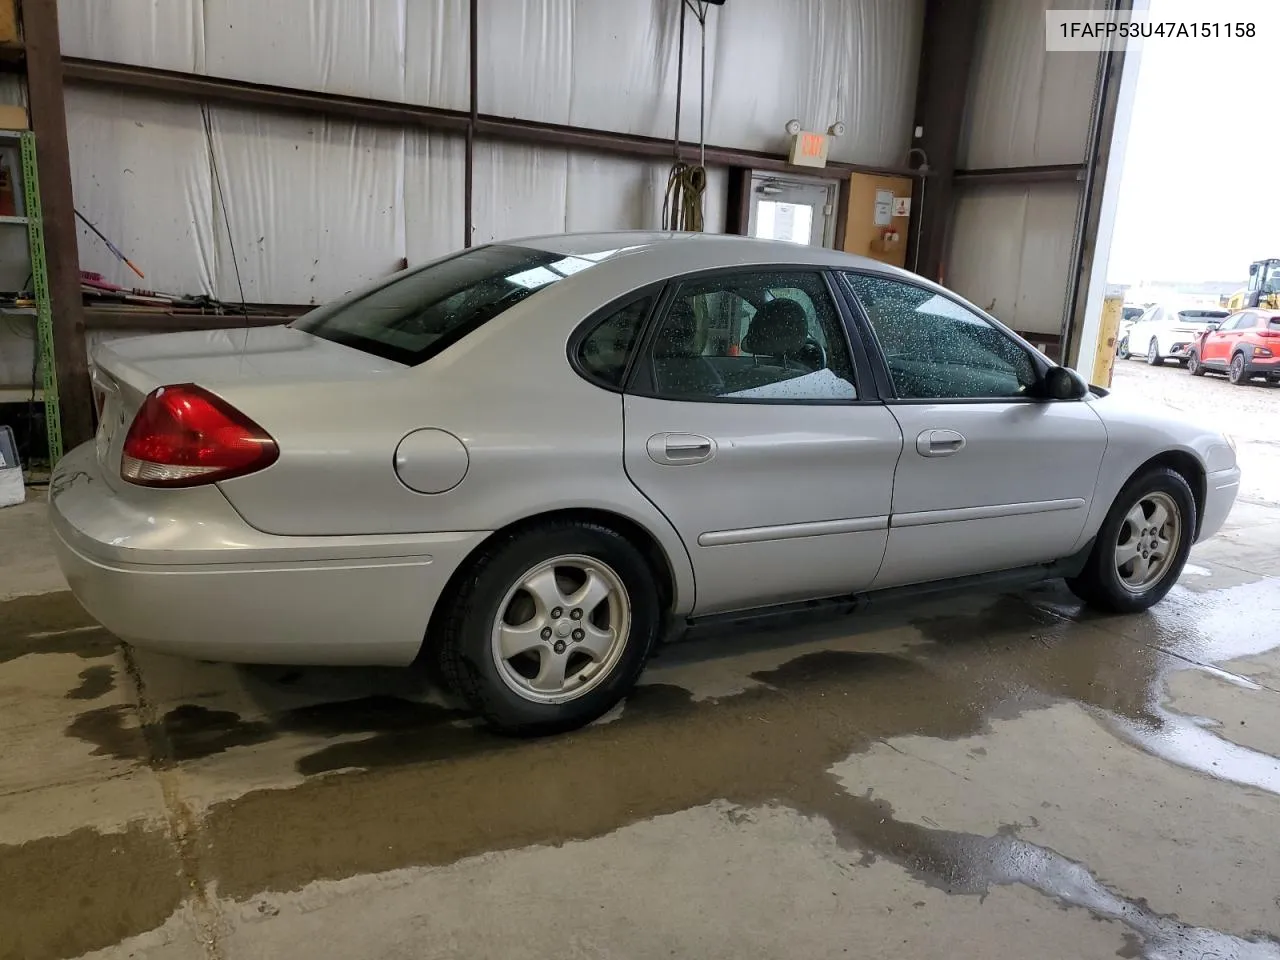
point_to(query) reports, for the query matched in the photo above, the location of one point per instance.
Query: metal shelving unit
(40, 285)
(28, 217)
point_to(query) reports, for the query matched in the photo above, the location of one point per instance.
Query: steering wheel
(812, 355)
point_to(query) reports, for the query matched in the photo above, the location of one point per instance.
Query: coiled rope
(682, 207)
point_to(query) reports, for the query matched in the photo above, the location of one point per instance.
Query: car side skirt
(827, 608)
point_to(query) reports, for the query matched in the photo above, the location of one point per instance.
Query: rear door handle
(939, 443)
(675, 449)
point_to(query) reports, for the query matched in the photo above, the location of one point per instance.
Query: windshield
(415, 315)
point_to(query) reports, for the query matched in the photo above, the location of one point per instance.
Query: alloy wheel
(1148, 542)
(561, 629)
(1153, 352)
(1237, 368)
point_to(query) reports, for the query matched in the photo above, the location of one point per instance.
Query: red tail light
(1269, 333)
(184, 436)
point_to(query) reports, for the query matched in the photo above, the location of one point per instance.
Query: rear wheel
(1153, 353)
(1122, 348)
(1236, 372)
(551, 628)
(1142, 545)
(1194, 366)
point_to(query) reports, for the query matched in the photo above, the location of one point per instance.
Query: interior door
(794, 209)
(744, 424)
(989, 479)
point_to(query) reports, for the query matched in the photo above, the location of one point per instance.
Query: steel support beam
(49, 124)
(154, 321)
(469, 174)
(1089, 224)
(1018, 176)
(487, 127)
(942, 88)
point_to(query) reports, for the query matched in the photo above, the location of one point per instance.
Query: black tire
(464, 637)
(1193, 364)
(1099, 583)
(1122, 349)
(1153, 353)
(1236, 373)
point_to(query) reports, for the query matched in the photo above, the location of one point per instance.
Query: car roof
(702, 247)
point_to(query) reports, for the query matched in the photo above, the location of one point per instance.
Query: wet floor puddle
(413, 784)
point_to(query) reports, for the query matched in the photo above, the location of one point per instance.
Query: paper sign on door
(884, 208)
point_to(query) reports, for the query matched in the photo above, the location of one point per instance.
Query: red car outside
(1244, 346)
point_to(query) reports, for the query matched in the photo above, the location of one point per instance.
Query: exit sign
(809, 149)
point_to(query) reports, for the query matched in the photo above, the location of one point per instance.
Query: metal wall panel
(168, 35)
(818, 61)
(414, 50)
(607, 65)
(436, 43)
(140, 171)
(316, 207)
(527, 190)
(353, 47)
(614, 66)
(1026, 106)
(434, 171)
(1009, 252)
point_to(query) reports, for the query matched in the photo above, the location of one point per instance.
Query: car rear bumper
(1263, 367)
(180, 571)
(1221, 488)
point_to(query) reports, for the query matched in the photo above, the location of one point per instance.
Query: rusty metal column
(49, 124)
(473, 82)
(946, 60)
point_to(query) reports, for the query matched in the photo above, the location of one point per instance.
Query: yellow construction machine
(1263, 290)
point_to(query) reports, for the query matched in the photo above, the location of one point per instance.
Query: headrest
(779, 329)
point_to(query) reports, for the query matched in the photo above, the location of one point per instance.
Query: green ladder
(40, 283)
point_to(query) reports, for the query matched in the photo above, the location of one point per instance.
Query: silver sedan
(532, 461)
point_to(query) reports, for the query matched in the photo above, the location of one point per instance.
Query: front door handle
(675, 449)
(939, 443)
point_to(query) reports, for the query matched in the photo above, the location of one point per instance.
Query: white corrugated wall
(1012, 245)
(315, 208)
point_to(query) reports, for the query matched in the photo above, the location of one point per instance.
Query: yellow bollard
(1109, 325)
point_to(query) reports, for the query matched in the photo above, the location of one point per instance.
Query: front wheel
(550, 628)
(1193, 364)
(1236, 372)
(1142, 545)
(1122, 348)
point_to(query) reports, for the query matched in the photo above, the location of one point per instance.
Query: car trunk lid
(124, 371)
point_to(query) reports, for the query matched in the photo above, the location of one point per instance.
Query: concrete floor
(998, 776)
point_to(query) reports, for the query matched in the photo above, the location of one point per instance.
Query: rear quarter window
(605, 353)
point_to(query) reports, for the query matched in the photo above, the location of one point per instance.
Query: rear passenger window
(753, 336)
(603, 354)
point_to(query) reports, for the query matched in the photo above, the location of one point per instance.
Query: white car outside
(1168, 331)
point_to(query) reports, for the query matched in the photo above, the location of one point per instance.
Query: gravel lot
(1249, 414)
